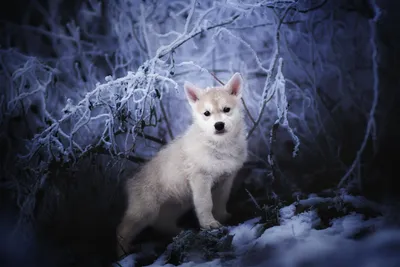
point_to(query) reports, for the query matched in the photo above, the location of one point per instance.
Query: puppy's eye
(226, 109)
(207, 113)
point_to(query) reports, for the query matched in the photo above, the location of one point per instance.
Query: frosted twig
(253, 199)
(143, 24)
(189, 18)
(270, 80)
(162, 51)
(171, 135)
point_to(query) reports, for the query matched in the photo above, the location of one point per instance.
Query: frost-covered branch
(112, 115)
(196, 31)
(275, 82)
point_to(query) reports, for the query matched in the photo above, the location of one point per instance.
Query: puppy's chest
(224, 161)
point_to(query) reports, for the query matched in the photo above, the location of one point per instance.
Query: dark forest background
(60, 205)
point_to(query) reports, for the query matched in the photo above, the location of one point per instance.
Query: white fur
(196, 169)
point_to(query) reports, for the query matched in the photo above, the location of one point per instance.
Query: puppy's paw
(212, 224)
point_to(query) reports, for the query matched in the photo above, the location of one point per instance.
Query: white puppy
(196, 169)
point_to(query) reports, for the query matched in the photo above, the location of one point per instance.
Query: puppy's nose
(219, 126)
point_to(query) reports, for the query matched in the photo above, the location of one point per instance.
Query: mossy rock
(333, 208)
(198, 246)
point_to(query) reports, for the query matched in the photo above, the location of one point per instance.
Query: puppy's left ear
(234, 85)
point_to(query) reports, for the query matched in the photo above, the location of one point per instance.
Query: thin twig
(371, 119)
(216, 78)
(154, 139)
(103, 151)
(247, 111)
(301, 10)
(257, 122)
(181, 42)
(253, 199)
(171, 135)
(273, 64)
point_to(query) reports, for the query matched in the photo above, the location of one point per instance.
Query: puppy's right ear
(192, 92)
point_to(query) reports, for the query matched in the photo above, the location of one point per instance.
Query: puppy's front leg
(202, 200)
(220, 197)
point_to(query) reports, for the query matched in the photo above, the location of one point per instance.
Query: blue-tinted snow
(295, 242)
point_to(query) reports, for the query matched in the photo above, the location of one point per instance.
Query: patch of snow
(244, 234)
(361, 202)
(314, 200)
(286, 213)
(352, 224)
(297, 226)
(128, 261)
(296, 242)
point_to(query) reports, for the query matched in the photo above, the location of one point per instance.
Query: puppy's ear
(192, 92)
(234, 85)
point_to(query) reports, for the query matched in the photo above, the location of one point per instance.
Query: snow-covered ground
(300, 241)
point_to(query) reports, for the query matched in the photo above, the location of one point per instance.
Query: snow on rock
(313, 200)
(128, 261)
(212, 263)
(352, 224)
(295, 242)
(297, 226)
(244, 233)
(361, 202)
(287, 212)
(298, 241)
